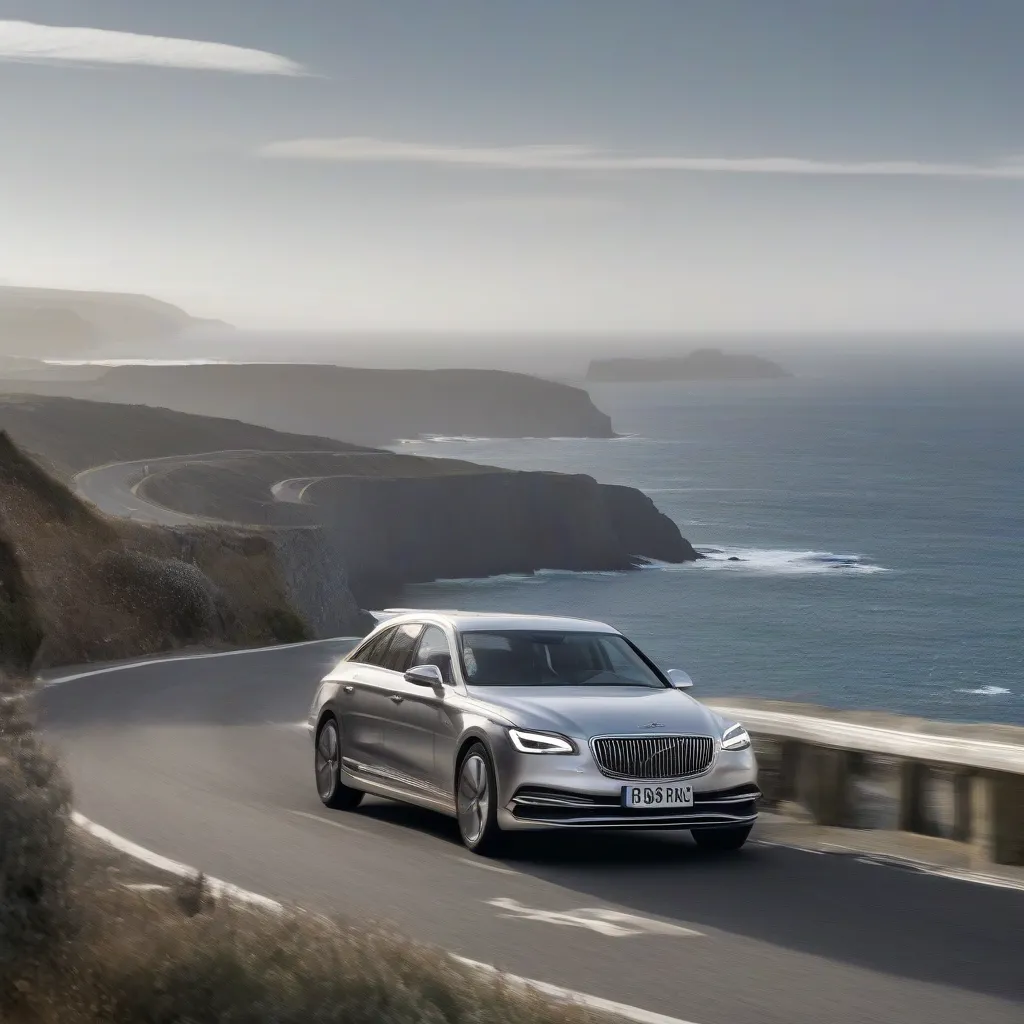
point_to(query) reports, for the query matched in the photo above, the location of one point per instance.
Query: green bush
(35, 850)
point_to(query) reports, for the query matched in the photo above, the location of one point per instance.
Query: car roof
(469, 620)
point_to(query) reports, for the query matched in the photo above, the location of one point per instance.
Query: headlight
(735, 738)
(541, 742)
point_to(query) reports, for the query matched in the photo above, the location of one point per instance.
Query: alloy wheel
(474, 799)
(327, 761)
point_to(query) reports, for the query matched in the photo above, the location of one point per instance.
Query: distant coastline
(54, 323)
(701, 364)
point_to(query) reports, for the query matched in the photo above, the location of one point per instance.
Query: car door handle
(397, 698)
(349, 688)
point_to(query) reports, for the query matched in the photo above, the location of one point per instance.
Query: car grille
(653, 757)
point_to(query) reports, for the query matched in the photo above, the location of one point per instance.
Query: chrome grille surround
(653, 758)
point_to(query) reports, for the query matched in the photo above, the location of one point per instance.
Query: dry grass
(78, 947)
(143, 958)
(36, 913)
(77, 587)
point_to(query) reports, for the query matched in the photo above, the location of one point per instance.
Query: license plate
(657, 796)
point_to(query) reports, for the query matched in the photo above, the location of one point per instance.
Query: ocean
(878, 519)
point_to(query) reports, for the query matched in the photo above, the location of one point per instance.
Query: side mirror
(679, 679)
(425, 675)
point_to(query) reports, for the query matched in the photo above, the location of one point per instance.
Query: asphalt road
(113, 488)
(204, 761)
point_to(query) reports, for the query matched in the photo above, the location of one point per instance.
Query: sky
(522, 165)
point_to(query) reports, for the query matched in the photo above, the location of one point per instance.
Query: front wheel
(728, 837)
(327, 764)
(476, 802)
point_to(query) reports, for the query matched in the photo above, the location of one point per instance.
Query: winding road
(204, 760)
(114, 488)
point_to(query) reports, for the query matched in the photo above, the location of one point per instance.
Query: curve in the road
(203, 761)
(114, 488)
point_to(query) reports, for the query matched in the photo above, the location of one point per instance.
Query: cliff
(393, 520)
(371, 522)
(702, 364)
(362, 406)
(51, 322)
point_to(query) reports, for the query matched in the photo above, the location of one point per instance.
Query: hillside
(702, 364)
(76, 587)
(373, 521)
(72, 435)
(357, 405)
(51, 322)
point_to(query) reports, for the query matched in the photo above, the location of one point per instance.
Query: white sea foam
(773, 561)
(470, 439)
(987, 691)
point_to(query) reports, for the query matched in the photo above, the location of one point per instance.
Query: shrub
(177, 595)
(20, 632)
(238, 967)
(35, 850)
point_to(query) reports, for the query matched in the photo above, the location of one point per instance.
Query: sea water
(878, 523)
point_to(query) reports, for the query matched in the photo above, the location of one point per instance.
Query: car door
(408, 734)
(363, 704)
(435, 648)
(422, 729)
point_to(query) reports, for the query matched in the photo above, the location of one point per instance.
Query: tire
(476, 802)
(327, 770)
(722, 839)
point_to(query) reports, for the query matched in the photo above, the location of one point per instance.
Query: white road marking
(615, 924)
(566, 995)
(191, 657)
(172, 867)
(146, 887)
(217, 885)
(481, 864)
(334, 824)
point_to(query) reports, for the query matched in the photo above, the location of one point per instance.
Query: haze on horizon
(581, 166)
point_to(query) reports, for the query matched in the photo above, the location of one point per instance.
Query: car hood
(586, 711)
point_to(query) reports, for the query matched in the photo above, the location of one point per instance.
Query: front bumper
(538, 791)
(539, 807)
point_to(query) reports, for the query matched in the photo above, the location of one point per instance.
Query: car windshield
(543, 658)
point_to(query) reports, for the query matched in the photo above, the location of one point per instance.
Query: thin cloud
(574, 158)
(27, 42)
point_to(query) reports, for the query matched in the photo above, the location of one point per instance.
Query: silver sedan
(512, 722)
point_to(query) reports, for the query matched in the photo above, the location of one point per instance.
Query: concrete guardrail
(872, 770)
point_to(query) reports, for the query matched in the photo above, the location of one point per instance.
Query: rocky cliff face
(391, 520)
(359, 405)
(389, 532)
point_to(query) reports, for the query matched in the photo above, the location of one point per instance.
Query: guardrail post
(997, 817)
(823, 784)
(911, 813)
(962, 786)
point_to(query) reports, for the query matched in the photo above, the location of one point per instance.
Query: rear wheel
(327, 764)
(476, 802)
(728, 837)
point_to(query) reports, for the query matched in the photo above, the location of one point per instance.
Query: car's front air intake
(653, 757)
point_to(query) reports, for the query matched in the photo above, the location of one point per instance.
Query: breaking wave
(986, 691)
(773, 561)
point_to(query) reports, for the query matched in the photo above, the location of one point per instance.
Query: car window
(399, 654)
(550, 658)
(434, 649)
(374, 650)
